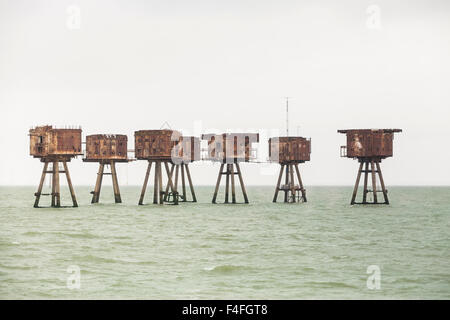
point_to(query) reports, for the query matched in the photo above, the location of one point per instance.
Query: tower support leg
(69, 183)
(241, 181)
(355, 189)
(299, 177)
(53, 203)
(144, 187)
(290, 188)
(372, 168)
(175, 183)
(292, 182)
(230, 175)
(160, 184)
(160, 193)
(55, 182)
(383, 187)
(41, 184)
(286, 183)
(227, 182)
(58, 187)
(155, 184)
(233, 190)
(56, 198)
(277, 189)
(191, 186)
(366, 180)
(115, 182)
(98, 184)
(183, 182)
(169, 180)
(219, 177)
(374, 182)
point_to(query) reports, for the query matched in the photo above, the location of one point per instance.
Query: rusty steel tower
(186, 151)
(370, 147)
(230, 149)
(156, 146)
(54, 146)
(289, 152)
(106, 149)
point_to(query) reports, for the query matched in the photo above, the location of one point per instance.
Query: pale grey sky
(134, 64)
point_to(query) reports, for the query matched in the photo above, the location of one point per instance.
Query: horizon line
(248, 185)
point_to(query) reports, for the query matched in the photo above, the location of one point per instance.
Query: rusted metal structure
(55, 146)
(106, 149)
(185, 152)
(289, 152)
(370, 147)
(156, 146)
(229, 149)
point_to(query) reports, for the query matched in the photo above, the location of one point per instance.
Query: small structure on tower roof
(370, 147)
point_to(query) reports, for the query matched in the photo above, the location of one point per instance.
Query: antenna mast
(287, 116)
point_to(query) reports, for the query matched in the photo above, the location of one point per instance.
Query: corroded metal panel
(187, 150)
(365, 143)
(155, 144)
(106, 147)
(231, 146)
(289, 149)
(46, 141)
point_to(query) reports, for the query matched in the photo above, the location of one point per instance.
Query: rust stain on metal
(187, 150)
(101, 147)
(231, 146)
(155, 144)
(289, 149)
(46, 141)
(363, 143)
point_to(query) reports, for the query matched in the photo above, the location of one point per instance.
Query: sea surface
(321, 249)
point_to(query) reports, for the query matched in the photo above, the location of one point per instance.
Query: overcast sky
(209, 65)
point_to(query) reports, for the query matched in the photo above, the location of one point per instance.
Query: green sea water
(315, 250)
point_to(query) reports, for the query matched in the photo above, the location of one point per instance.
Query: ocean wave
(85, 235)
(94, 259)
(32, 233)
(81, 235)
(228, 252)
(226, 268)
(16, 267)
(331, 284)
(98, 259)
